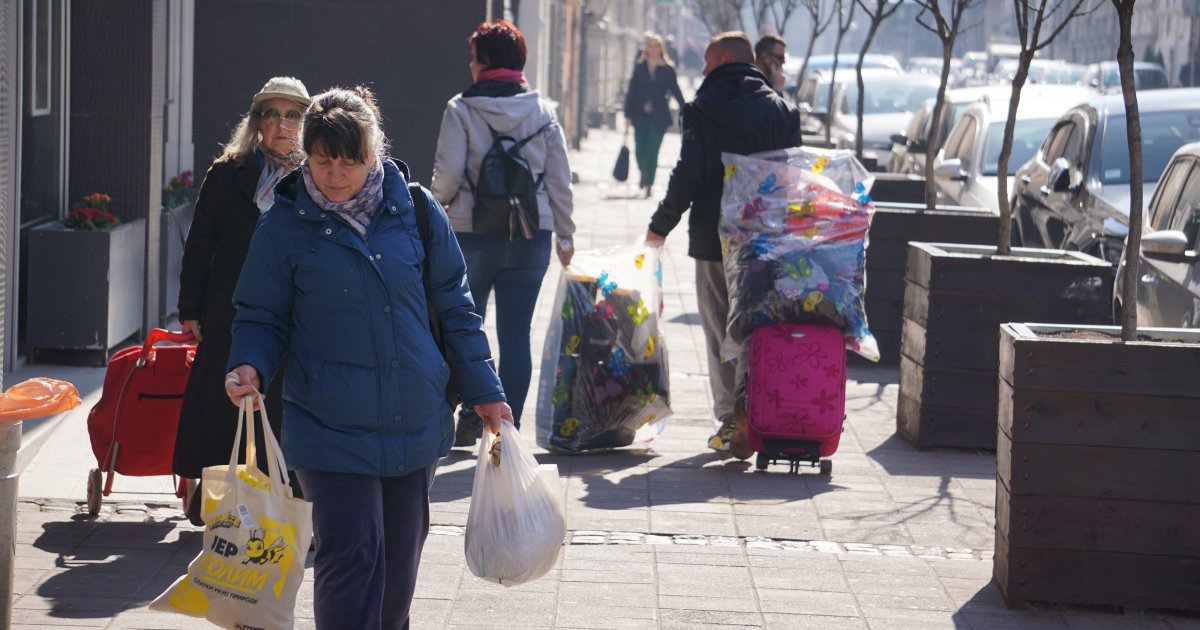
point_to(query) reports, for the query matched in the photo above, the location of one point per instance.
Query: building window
(40, 57)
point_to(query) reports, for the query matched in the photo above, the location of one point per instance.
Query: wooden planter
(1098, 467)
(955, 298)
(893, 226)
(85, 288)
(898, 188)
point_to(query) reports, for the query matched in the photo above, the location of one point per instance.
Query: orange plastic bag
(37, 398)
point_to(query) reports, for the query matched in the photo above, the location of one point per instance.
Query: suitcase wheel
(826, 467)
(762, 461)
(95, 491)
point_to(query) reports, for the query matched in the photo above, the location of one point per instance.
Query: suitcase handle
(159, 335)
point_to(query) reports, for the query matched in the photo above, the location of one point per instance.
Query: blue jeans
(369, 532)
(514, 269)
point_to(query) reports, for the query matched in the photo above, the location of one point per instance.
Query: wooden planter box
(85, 288)
(955, 298)
(893, 226)
(1098, 467)
(898, 188)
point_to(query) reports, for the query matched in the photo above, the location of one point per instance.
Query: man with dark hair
(735, 111)
(769, 54)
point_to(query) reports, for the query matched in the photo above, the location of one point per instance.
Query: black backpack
(421, 205)
(506, 190)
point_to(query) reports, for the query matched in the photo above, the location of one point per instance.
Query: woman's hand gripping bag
(517, 523)
(256, 538)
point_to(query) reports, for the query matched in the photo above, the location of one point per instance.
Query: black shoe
(195, 496)
(470, 429)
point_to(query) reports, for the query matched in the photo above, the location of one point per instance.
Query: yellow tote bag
(256, 537)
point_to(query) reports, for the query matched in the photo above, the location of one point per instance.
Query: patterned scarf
(359, 209)
(273, 170)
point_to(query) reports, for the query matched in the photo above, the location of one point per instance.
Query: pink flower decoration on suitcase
(825, 401)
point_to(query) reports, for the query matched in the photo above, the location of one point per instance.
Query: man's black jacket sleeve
(685, 177)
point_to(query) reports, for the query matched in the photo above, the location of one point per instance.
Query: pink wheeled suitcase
(795, 394)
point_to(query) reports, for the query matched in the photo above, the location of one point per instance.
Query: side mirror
(950, 169)
(899, 138)
(1164, 243)
(1060, 176)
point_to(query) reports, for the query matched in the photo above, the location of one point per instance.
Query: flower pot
(955, 298)
(85, 289)
(1097, 467)
(892, 227)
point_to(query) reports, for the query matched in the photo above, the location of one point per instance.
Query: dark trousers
(514, 270)
(647, 140)
(369, 533)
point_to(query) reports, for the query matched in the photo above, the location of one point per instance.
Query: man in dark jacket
(735, 111)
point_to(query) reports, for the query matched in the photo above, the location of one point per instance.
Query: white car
(966, 169)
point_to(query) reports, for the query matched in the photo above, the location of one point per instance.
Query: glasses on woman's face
(290, 118)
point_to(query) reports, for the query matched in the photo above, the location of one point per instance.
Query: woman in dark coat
(647, 105)
(237, 189)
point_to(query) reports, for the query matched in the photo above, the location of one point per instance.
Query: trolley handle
(159, 335)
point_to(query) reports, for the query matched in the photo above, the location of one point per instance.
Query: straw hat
(290, 88)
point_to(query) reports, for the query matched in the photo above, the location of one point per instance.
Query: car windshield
(889, 98)
(1162, 134)
(1027, 137)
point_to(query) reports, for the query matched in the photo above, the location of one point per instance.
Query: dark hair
(499, 44)
(345, 122)
(767, 41)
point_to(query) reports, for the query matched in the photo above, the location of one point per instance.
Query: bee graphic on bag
(264, 547)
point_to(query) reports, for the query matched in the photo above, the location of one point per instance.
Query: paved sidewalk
(667, 536)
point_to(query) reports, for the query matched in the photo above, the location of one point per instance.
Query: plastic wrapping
(604, 377)
(37, 398)
(794, 233)
(517, 522)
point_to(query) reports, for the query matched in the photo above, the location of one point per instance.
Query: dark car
(1168, 275)
(1074, 193)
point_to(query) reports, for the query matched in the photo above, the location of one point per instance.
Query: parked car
(846, 61)
(1074, 193)
(1168, 293)
(910, 147)
(888, 104)
(966, 169)
(1104, 77)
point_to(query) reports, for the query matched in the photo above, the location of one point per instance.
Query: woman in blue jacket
(334, 278)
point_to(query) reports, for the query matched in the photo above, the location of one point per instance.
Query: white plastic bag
(256, 538)
(517, 523)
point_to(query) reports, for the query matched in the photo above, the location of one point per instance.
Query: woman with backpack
(502, 172)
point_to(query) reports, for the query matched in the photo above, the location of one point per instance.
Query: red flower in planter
(92, 214)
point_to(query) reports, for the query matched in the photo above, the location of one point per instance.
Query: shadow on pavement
(112, 566)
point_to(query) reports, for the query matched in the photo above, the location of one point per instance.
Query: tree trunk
(933, 141)
(1004, 240)
(804, 66)
(832, 84)
(858, 131)
(1133, 130)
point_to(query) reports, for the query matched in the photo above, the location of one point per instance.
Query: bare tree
(759, 9)
(1133, 131)
(817, 27)
(781, 12)
(845, 17)
(947, 25)
(719, 15)
(877, 11)
(1031, 16)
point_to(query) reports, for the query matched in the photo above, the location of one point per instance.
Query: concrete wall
(414, 56)
(118, 62)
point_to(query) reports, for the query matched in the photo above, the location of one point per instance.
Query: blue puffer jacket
(364, 383)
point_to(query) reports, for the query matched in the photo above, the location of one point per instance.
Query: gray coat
(465, 138)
